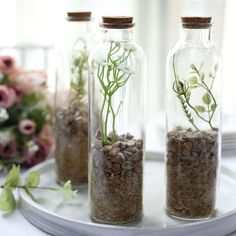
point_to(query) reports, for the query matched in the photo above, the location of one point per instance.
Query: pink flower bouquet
(25, 116)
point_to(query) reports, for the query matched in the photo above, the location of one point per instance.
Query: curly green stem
(182, 89)
(110, 81)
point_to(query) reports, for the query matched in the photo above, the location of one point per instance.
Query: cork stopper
(117, 22)
(196, 22)
(79, 16)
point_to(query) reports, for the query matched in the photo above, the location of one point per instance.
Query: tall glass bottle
(193, 139)
(117, 136)
(72, 100)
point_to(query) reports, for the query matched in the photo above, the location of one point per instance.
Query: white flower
(67, 191)
(5, 136)
(32, 147)
(125, 69)
(128, 48)
(3, 115)
(100, 61)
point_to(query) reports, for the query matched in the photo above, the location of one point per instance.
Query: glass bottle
(193, 139)
(117, 135)
(72, 100)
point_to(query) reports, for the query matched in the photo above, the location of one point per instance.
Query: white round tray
(59, 218)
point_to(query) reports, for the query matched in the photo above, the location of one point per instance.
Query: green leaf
(31, 100)
(7, 201)
(180, 98)
(29, 193)
(192, 80)
(181, 84)
(67, 191)
(32, 180)
(202, 76)
(5, 80)
(38, 115)
(200, 109)
(13, 177)
(206, 98)
(193, 67)
(213, 106)
(15, 113)
(188, 94)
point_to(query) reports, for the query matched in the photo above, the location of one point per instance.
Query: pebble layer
(192, 167)
(72, 146)
(117, 180)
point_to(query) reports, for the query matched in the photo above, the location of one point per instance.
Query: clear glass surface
(193, 124)
(72, 104)
(117, 135)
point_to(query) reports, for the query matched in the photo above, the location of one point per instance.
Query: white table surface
(14, 224)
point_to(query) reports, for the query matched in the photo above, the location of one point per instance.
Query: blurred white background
(38, 24)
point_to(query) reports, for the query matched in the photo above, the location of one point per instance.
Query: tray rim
(35, 207)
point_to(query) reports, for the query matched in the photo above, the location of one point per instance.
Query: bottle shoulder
(181, 48)
(102, 48)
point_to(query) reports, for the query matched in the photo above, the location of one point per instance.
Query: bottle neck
(118, 34)
(195, 35)
(76, 28)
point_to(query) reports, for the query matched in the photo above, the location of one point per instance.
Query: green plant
(184, 88)
(79, 70)
(7, 200)
(112, 74)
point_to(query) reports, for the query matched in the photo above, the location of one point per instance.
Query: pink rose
(35, 153)
(27, 127)
(16, 72)
(7, 96)
(46, 135)
(18, 95)
(30, 82)
(7, 64)
(8, 149)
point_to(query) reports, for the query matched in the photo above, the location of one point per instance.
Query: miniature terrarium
(193, 142)
(72, 102)
(117, 85)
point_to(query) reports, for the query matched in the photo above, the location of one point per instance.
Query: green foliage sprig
(112, 76)
(80, 71)
(183, 90)
(7, 200)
